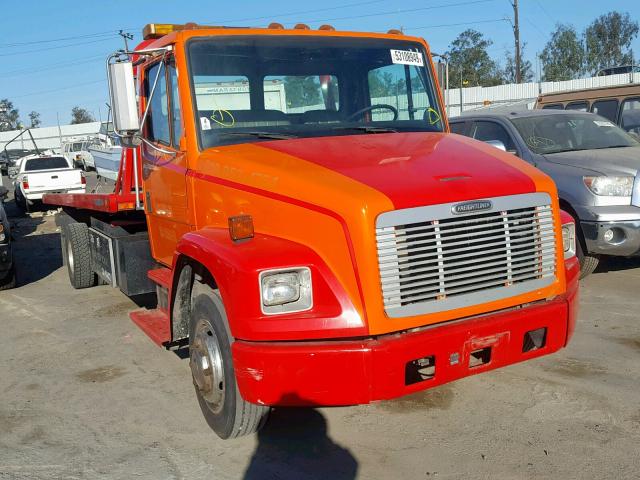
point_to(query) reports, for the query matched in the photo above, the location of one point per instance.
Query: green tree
(80, 115)
(470, 61)
(563, 56)
(608, 40)
(9, 116)
(302, 91)
(34, 118)
(381, 84)
(526, 69)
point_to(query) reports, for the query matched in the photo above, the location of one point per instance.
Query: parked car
(9, 157)
(77, 152)
(7, 268)
(45, 173)
(617, 70)
(620, 105)
(595, 164)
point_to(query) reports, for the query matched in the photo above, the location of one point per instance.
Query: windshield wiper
(269, 135)
(366, 129)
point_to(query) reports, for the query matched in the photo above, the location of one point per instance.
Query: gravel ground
(86, 395)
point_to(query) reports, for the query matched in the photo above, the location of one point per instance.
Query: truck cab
(319, 236)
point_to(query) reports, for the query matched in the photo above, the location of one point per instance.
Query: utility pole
(516, 35)
(125, 36)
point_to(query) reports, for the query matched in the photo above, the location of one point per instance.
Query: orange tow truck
(313, 232)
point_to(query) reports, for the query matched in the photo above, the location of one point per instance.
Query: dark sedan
(7, 268)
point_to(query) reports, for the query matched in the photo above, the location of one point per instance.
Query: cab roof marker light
(394, 31)
(301, 26)
(159, 30)
(328, 28)
(276, 26)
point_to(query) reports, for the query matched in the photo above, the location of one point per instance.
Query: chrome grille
(433, 260)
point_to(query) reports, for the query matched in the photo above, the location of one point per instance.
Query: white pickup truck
(45, 173)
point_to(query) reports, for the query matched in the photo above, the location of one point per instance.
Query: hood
(606, 161)
(414, 169)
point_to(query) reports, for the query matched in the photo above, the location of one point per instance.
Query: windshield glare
(309, 86)
(545, 134)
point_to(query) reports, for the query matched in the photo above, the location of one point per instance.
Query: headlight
(569, 240)
(286, 291)
(610, 186)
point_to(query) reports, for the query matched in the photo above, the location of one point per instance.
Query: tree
(34, 118)
(469, 60)
(9, 116)
(302, 91)
(526, 69)
(80, 115)
(563, 56)
(608, 40)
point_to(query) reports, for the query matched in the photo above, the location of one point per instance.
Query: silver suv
(594, 163)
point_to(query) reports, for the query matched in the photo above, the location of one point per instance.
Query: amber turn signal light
(241, 227)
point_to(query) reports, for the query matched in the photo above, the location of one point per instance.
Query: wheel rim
(207, 367)
(70, 259)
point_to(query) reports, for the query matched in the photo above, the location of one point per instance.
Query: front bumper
(37, 196)
(365, 370)
(625, 242)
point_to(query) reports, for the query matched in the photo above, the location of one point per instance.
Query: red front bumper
(362, 371)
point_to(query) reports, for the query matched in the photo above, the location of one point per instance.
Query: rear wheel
(77, 255)
(226, 412)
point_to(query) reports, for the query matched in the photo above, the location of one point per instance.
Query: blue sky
(52, 53)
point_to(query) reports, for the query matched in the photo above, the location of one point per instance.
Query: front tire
(77, 255)
(588, 263)
(214, 379)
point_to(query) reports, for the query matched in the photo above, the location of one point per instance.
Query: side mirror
(498, 144)
(124, 105)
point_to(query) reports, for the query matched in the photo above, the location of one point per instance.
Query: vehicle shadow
(36, 256)
(294, 444)
(617, 264)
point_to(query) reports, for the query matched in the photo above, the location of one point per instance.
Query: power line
(456, 24)
(407, 10)
(546, 12)
(68, 87)
(54, 48)
(79, 61)
(302, 12)
(53, 40)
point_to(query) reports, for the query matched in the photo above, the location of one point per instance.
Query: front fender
(235, 267)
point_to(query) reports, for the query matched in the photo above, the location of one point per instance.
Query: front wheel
(588, 262)
(10, 281)
(224, 409)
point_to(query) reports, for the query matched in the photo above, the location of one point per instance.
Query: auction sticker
(601, 123)
(407, 57)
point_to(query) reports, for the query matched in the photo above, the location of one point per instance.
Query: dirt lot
(86, 395)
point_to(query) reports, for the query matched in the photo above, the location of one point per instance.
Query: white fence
(48, 137)
(525, 93)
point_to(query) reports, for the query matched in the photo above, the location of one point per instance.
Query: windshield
(546, 134)
(45, 163)
(264, 87)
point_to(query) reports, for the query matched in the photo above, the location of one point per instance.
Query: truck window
(579, 106)
(45, 163)
(485, 131)
(157, 128)
(606, 108)
(176, 117)
(301, 93)
(400, 86)
(630, 119)
(249, 87)
(553, 106)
